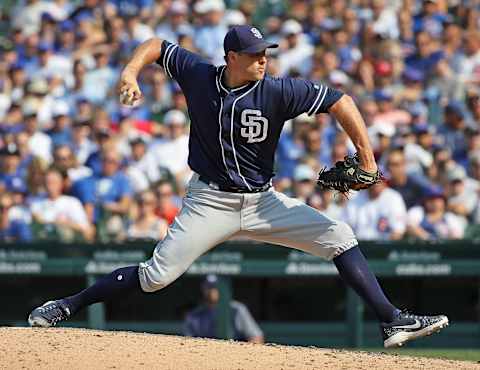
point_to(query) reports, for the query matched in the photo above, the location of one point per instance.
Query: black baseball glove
(346, 176)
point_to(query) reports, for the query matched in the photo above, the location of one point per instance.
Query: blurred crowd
(78, 166)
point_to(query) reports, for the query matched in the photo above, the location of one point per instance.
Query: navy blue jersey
(234, 132)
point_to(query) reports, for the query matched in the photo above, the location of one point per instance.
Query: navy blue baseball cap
(245, 39)
(210, 282)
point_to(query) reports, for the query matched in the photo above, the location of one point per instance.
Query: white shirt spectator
(28, 17)
(40, 145)
(19, 213)
(98, 83)
(376, 219)
(172, 154)
(58, 65)
(451, 227)
(64, 207)
(83, 150)
(417, 158)
(142, 32)
(386, 24)
(299, 56)
(470, 71)
(144, 172)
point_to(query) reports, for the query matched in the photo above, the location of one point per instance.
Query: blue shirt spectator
(209, 37)
(453, 132)
(14, 224)
(109, 191)
(202, 321)
(100, 80)
(127, 8)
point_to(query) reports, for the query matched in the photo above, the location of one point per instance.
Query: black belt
(234, 189)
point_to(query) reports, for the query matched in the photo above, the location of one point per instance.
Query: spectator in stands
(126, 8)
(381, 138)
(473, 104)
(138, 30)
(430, 19)
(172, 154)
(167, 205)
(339, 150)
(388, 113)
(409, 187)
(18, 79)
(404, 62)
(160, 97)
(59, 214)
(10, 174)
(65, 45)
(461, 193)
(65, 162)
(60, 133)
(209, 35)
(39, 143)
(81, 144)
(147, 225)
(143, 168)
(105, 143)
(377, 214)
(384, 20)
(12, 227)
(202, 321)
(297, 50)
(418, 153)
(303, 182)
(291, 146)
(314, 147)
(28, 16)
(453, 131)
(99, 81)
(470, 71)
(35, 177)
(106, 197)
(176, 23)
(38, 89)
(430, 221)
(327, 202)
(474, 166)
(429, 57)
(21, 141)
(52, 64)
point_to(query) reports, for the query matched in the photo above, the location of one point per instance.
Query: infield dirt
(60, 348)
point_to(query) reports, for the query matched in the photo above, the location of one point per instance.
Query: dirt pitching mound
(26, 348)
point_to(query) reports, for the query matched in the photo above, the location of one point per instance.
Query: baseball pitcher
(237, 113)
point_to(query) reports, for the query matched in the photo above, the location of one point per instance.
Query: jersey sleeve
(303, 96)
(178, 62)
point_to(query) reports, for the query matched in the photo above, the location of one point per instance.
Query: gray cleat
(407, 326)
(49, 314)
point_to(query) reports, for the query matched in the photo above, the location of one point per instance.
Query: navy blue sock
(354, 270)
(118, 283)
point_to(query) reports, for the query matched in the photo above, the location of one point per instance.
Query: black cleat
(407, 326)
(49, 314)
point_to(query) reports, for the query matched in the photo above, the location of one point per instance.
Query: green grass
(443, 353)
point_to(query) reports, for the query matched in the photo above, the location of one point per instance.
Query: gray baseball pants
(209, 217)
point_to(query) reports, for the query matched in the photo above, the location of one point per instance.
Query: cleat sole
(399, 339)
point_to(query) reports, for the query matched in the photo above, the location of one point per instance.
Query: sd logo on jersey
(256, 126)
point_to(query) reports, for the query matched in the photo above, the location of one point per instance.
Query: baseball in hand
(130, 99)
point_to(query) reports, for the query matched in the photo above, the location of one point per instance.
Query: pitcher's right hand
(129, 90)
